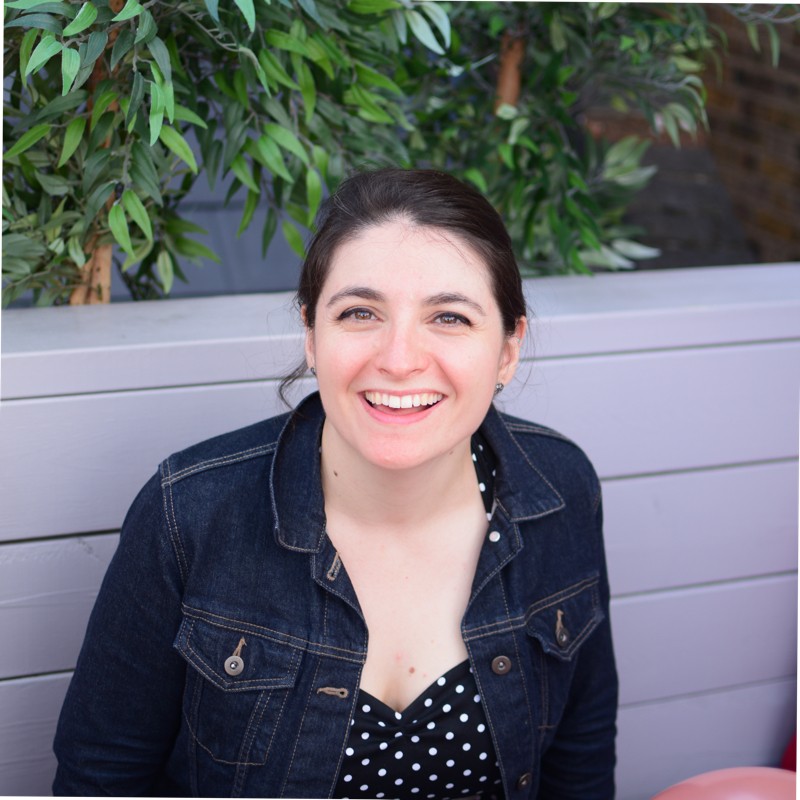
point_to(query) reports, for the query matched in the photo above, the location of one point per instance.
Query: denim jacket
(224, 653)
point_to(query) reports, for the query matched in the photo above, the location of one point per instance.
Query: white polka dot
(464, 717)
(482, 487)
(398, 734)
(441, 681)
(449, 786)
(398, 782)
(459, 689)
(415, 738)
(483, 778)
(481, 728)
(467, 773)
(449, 735)
(365, 708)
(450, 762)
(381, 723)
(474, 457)
(352, 722)
(398, 715)
(380, 794)
(365, 735)
(415, 790)
(365, 761)
(349, 751)
(494, 536)
(381, 772)
(482, 756)
(383, 745)
(465, 791)
(488, 516)
(416, 767)
(480, 447)
(363, 787)
(466, 746)
(398, 754)
(434, 778)
(430, 726)
(348, 778)
(446, 708)
(476, 698)
(432, 751)
(428, 703)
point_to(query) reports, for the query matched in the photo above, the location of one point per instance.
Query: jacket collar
(296, 483)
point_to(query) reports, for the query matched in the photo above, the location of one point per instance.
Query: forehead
(402, 252)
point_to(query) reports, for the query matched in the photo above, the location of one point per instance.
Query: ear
(309, 340)
(512, 348)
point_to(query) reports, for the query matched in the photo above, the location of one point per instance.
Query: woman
(394, 591)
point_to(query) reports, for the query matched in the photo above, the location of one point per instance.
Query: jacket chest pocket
(557, 626)
(236, 688)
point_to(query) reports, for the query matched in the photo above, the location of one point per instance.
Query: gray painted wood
(660, 744)
(681, 386)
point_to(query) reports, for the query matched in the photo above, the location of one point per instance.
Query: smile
(403, 400)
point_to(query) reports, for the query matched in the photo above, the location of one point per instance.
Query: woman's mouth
(402, 401)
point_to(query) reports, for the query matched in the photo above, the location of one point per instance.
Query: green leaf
(137, 212)
(130, 10)
(439, 18)
(183, 114)
(156, 112)
(160, 53)
(213, 9)
(76, 251)
(250, 205)
(270, 226)
(194, 250)
(293, 238)
(43, 52)
(557, 36)
(137, 95)
(272, 158)
(473, 175)
(165, 269)
(95, 45)
(287, 140)
(26, 48)
(371, 77)
(54, 185)
(147, 29)
(85, 17)
(70, 63)
(240, 170)
(100, 106)
(119, 228)
(44, 21)
(313, 195)
(27, 140)
(143, 172)
(72, 138)
(25, 5)
(274, 69)
(308, 90)
(122, 46)
(752, 35)
(246, 7)
(372, 6)
(420, 28)
(631, 249)
(175, 142)
(774, 44)
(283, 41)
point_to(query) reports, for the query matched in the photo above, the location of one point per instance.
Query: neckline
(419, 700)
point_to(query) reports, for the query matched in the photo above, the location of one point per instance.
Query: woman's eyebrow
(362, 292)
(445, 298)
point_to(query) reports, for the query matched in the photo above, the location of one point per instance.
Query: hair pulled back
(423, 197)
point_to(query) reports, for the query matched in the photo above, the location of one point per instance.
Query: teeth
(404, 400)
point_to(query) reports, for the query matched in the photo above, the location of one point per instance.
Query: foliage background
(112, 110)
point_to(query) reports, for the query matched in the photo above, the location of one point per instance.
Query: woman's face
(408, 344)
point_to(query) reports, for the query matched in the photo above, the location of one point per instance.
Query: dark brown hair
(423, 197)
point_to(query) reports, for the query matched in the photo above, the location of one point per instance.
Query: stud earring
(312, 371)
(498, 387)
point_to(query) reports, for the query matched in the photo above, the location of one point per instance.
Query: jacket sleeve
(579, 764)
(122, 710)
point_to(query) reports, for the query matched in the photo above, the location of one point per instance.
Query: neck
(394, 498)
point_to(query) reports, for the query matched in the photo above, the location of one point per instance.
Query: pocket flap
(263, 662)
(562, 621)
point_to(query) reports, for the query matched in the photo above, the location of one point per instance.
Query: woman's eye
(450, 319)
(358, 314)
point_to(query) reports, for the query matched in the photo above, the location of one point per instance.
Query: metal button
(562, 634)
(234, 665)
(494, 536)
(501, 665)
(524, 780)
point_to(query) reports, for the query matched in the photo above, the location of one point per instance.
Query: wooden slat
(47, 590)
(673, 410)
(633, 414)
(686, 528)
(660, 744)
(695, 640)
(29, 712)
(49, 352)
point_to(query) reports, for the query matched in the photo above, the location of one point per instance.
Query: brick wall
(754, 115)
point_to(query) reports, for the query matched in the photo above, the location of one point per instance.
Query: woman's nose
(401, 351)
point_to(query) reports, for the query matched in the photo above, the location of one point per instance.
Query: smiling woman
(393, 590)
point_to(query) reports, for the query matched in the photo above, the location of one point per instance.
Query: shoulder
(248, 445)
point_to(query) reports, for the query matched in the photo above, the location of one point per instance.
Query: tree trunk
(95, 285)
(509, 78)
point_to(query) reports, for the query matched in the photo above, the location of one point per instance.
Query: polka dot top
(439, 747)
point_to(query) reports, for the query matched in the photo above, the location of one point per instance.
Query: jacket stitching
(172, 526)
(221, 461)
